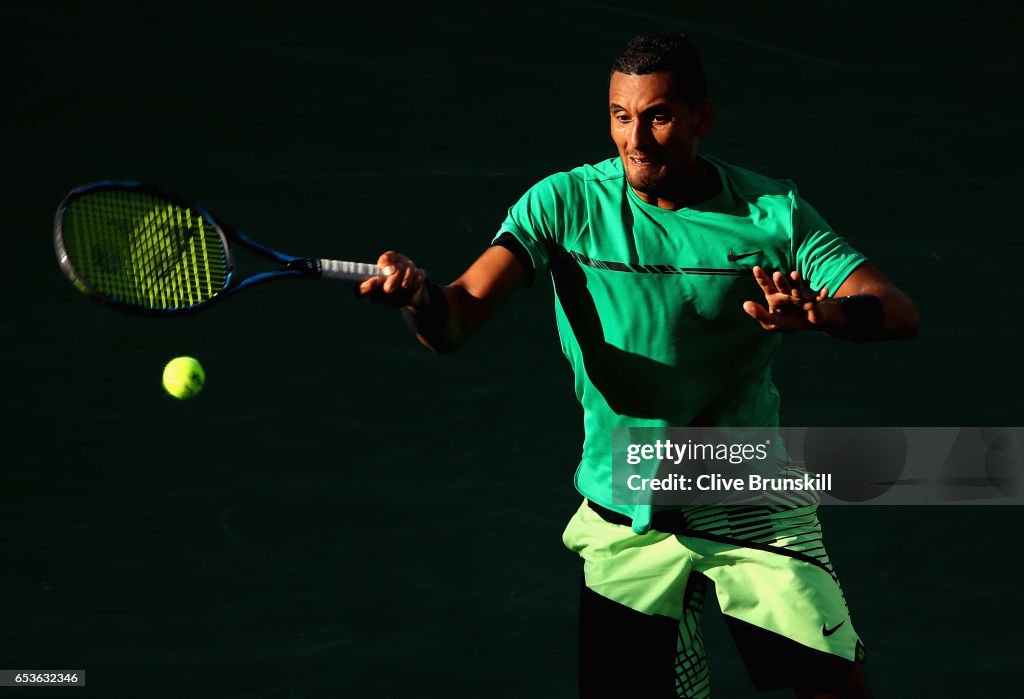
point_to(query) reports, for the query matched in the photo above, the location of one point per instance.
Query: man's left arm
(866, 306)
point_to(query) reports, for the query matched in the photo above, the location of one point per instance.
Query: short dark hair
(665, 53)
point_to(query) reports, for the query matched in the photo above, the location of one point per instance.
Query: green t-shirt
(648, 301)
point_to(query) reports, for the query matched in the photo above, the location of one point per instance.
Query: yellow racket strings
(142, 250)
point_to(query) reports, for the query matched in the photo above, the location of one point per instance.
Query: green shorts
(769, 569)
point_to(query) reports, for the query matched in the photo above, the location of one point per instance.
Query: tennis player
(674, 277)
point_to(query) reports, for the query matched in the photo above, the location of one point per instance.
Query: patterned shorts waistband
(667, 521)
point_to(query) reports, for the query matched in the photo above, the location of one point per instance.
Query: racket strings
(142, 250)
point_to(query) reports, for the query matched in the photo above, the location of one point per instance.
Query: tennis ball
(184, 377)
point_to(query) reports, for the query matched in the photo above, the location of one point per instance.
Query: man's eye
(622, 118)
(661, 118)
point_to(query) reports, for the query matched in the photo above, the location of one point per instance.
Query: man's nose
(639, 135)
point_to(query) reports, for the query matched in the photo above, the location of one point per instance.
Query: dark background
(342, 513)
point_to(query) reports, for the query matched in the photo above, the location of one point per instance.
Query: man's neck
(700, 183)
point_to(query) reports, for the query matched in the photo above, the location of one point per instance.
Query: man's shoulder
(609, 170)
(751, 185)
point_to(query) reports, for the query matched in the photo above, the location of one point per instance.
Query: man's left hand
(791, 305)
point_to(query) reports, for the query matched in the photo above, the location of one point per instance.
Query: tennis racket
(138, 248)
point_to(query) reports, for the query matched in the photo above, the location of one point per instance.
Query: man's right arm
(445, 317)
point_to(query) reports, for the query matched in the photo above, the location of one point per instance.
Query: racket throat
(310, 268)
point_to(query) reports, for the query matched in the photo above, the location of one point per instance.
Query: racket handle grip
(348, 271)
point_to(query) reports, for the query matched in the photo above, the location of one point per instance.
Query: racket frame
(292, 266)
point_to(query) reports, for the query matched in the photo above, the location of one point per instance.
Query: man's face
(655, 130)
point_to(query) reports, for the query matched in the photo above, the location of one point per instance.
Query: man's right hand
(444, 317)
(402, 282)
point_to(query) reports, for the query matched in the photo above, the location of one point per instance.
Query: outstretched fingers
(790, 304)
(757, 312)
(765, 281)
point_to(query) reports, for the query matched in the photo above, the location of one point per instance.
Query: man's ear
(703, 117)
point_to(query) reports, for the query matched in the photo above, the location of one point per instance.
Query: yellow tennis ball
(184, 377)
